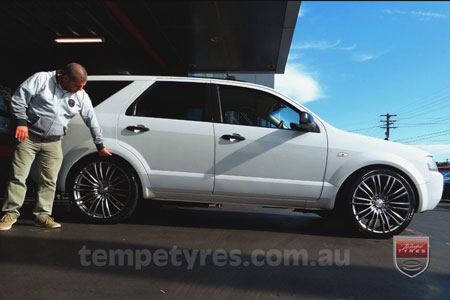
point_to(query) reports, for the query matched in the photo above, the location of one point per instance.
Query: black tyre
(103, 190)
(379, 203)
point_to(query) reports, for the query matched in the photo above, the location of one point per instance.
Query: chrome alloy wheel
(102, 189)
(382, 203)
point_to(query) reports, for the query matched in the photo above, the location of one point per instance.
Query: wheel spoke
(399, 196)
(371, 218)
(97, 174)
(117, 178)
(92, 197)
(117, 201)
(86, 195)
(100, 169)
(375, 221)
(383, 213)
(362, 199)
(89, 180)
(399, 203)
(107, 207)
(111, 174)
(85, 185)
(394, 216)
(399, 190)
(399, 208)
(387, 184)
(379, 184)
(90, 176)
(119, 190)
(374, 185)
(99, 200)
(84, 190)
(392, 185)
(112, 202)
(92, 205)
(107, 172)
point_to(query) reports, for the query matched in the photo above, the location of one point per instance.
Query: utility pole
(387, 124)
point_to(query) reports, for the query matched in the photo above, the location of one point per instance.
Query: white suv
(211, 141)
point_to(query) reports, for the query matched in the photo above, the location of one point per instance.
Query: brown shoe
(7, 222)
(47, 222)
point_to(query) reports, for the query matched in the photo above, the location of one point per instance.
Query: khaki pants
(49, 158)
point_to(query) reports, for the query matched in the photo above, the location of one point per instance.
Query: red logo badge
(411, 254)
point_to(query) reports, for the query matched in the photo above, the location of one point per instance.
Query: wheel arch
(351, 177)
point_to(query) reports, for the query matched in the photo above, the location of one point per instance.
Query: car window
(243, 106)
(101, 90)
(172, 100)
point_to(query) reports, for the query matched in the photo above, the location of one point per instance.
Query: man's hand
(104, 152)
(21, 133)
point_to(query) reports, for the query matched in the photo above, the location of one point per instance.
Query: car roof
(168, 78)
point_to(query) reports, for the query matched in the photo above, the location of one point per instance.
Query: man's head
(73, 78)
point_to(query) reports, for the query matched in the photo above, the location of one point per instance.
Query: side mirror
(306, 123)
(306, 118)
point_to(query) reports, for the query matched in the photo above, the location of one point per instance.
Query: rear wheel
(379, 203)
(103, 190)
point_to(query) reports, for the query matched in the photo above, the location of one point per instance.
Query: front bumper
(430, 192)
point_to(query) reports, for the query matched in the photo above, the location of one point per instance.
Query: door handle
(234, 136)
(138, 128)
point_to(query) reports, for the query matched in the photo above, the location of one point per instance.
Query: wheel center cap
(379, 203)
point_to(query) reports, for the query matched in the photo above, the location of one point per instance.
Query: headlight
(431, 164)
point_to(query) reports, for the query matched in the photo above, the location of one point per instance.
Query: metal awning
(148, 37)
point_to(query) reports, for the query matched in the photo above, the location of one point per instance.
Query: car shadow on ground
(270, 220)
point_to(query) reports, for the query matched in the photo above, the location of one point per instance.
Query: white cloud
(294, 56)
(297, 84)
(323, 45)
(301, 12)
(428, 14)
(420, 14)
(347, 48)
(364, 57)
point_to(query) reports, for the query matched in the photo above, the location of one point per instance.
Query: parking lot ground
(38, 263)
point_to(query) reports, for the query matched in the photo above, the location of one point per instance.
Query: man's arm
(19, 104)
(88, 115)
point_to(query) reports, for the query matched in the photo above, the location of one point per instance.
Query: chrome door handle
(234, 136)
(137, 128)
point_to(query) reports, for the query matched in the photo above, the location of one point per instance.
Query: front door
(258, 155)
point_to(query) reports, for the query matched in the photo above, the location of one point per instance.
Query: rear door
(170, 126)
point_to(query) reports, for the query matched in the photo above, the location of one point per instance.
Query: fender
(360, 160)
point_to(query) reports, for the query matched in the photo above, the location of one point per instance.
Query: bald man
(43, 105)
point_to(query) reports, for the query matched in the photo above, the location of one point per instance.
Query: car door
(170, 128)
(255, 158)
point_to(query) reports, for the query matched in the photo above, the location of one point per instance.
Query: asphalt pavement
(164, 255)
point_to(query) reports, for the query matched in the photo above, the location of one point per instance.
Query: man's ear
(65, 78)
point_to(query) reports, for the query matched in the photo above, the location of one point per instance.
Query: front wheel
(103, 190)
(380, 203)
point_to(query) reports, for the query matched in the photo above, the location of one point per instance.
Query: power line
(434, 134)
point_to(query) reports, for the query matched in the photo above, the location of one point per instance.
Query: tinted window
(172, 100)
(99, 91)
(249, 107)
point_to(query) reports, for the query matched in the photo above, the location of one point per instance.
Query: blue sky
(353, 61)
